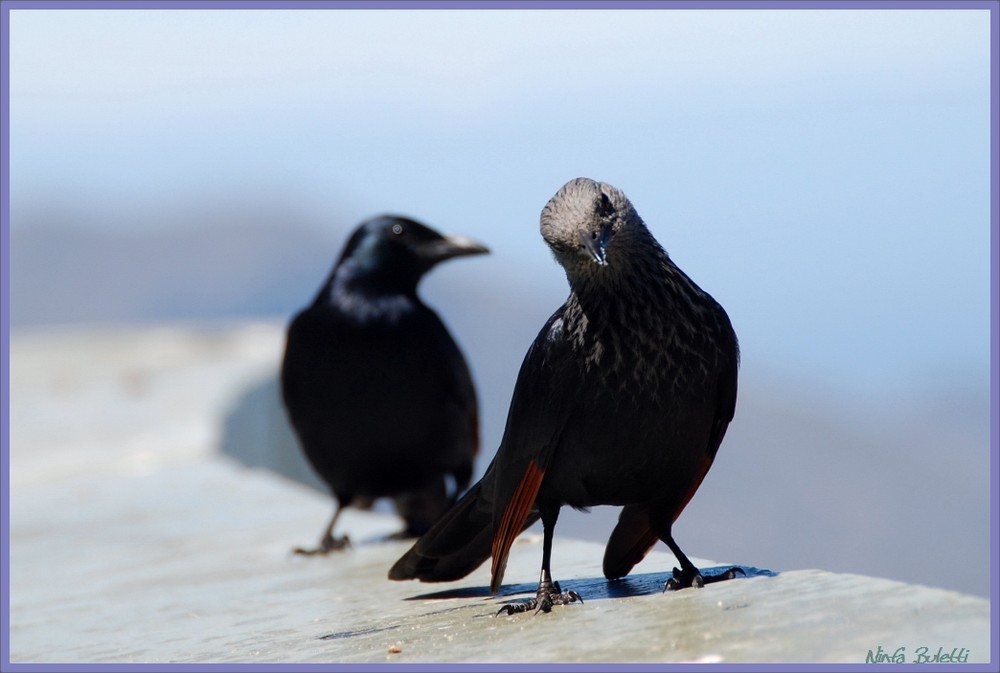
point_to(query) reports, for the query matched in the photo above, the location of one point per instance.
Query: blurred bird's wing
(458, 393)
(463, 392)
(540, 408)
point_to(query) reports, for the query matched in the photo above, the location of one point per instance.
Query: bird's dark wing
(540, 408)
(725, 405)
(302, 363)
(633, 535)
(457, 387)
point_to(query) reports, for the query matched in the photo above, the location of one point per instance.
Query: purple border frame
(499, 4)
(993, 6)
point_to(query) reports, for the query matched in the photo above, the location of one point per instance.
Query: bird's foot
(693, 578)
(326, 545)
(549, 594)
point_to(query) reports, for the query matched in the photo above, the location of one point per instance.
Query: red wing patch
(512, 521)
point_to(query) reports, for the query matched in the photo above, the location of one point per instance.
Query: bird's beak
(595, 244)
(457, 246)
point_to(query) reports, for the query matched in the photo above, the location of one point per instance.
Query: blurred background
(823, 174)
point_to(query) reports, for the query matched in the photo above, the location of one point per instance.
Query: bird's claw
(543, 601)
(682, 579)
(727, 575)
(326, 545)
(516, 608)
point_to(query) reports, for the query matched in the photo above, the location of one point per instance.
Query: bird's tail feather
(519, 513)
(629, 543)
(454, 546)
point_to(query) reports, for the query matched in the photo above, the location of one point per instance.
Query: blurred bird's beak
(456, 246)
(595, 244)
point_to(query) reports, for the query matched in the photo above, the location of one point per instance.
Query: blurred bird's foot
(693, 578)
(549, 594)
(326, 545)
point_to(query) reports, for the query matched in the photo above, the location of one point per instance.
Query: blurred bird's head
(397, 251)
(590, 227)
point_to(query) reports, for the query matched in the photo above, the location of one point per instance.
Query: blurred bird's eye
(397, 229)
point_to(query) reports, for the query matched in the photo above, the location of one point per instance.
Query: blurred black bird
(622, 399)
(377, 391)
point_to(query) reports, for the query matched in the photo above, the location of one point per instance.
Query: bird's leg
(688, 575)
(548, 593)
(327, 543)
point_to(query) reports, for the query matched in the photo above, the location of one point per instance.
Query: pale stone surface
(132, 540)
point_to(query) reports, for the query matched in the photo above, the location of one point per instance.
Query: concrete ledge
(134, 540)
(191, 564)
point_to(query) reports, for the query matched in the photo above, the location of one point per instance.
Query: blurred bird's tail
(455, 546)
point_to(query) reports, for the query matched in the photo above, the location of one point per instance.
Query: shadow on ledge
(595, 588)
(256, 433)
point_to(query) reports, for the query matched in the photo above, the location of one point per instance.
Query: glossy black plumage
(377, 391)
(623, 399)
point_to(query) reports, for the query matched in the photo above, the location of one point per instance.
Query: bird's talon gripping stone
(543, 602)
(517, 608)
(679, 580)
(682, 580)
(729, 574)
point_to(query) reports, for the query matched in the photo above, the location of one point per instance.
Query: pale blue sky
(823, 173)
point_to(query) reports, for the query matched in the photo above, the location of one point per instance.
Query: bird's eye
(605, 208)
(397, 229)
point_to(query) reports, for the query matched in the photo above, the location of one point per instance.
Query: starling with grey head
(623, 399)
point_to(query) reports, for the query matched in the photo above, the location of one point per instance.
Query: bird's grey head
(589, 227)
